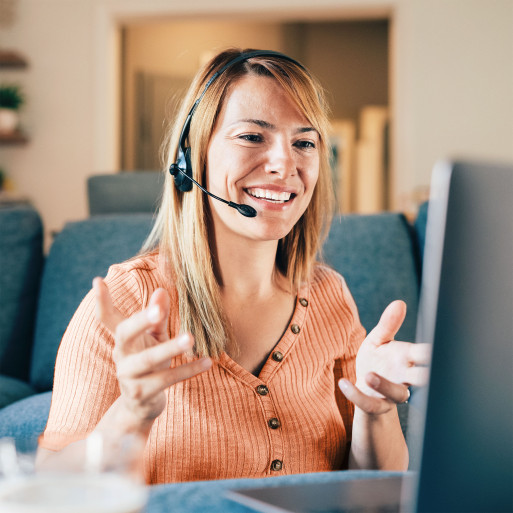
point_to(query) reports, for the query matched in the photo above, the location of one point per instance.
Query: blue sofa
(379, 255)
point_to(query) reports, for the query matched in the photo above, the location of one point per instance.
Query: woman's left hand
(385, 368)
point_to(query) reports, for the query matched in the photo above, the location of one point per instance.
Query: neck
(247, 269)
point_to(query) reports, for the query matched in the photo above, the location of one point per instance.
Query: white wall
(55, 37)
(452, 83)
(453, 86)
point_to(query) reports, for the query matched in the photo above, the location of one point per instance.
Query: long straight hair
(180, 230)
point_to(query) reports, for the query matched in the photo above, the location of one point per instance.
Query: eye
(305, 144)
(254, 138)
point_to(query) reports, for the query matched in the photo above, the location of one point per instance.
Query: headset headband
(242, 57)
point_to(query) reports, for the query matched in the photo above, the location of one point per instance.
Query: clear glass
(96, 475)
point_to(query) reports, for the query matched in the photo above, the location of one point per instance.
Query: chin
(271, 230)
(260, 228)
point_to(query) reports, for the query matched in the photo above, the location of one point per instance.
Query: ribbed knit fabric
(217, 425)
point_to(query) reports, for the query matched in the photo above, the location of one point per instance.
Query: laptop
(464, 422)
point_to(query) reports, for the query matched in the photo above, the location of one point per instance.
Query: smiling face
(263, 152)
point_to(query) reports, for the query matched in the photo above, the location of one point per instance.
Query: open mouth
(271, 196)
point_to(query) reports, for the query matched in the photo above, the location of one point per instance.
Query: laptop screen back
(467, 311)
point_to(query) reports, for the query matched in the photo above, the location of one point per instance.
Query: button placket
(272, 425)
(289, 338)
(262, 386)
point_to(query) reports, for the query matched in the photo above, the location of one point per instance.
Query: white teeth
(269, 195)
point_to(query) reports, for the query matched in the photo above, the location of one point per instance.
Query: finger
(389, 323)
(144, 389)
(160, 299)
(416, 376)
(366, 403)
(105, 311)
(419, 353)
(397, 393)
(137, 324)
(153, 358)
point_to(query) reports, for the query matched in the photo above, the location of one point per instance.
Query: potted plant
(11, 99)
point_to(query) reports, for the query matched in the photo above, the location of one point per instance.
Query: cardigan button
(295, 329)
(262, 390)
(274, 423)
(277, 356)
(303, 301)
(277, 465)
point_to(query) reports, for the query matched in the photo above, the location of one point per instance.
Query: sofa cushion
(80, 252)
(377, 271)
(12, 390)
(21, 260)
(376, 256)
(26, 418)
(126, 192)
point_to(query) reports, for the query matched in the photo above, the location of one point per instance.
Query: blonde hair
(180, 230)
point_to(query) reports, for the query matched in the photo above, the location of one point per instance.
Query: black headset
(182, 168)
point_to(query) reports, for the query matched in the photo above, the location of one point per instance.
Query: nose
(280, 159)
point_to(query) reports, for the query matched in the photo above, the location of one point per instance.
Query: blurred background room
(409, 82)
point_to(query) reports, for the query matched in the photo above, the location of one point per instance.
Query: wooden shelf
(13, 138)
(11, 59)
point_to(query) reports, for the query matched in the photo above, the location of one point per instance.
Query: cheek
(224, 164)
(311, 177)
(214, 168)
(310, 182)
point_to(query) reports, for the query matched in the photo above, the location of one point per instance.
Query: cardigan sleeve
(85, 383)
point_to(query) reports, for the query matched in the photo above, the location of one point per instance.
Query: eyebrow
(265, 124)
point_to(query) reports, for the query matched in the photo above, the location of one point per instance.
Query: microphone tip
(246, 210)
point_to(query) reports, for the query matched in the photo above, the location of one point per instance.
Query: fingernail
(373, 380)
(343, 384)
(153, 313)
(184, 341)
(206, 363)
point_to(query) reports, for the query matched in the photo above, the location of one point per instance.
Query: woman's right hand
(142, 355)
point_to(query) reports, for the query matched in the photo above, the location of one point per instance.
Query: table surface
(200, 496)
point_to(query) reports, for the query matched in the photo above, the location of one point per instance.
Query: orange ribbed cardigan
(226, 422)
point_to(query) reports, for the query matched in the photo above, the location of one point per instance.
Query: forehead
(254, 96)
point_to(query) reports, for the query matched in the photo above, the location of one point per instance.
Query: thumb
(105, 311)
(389, 323)
(159, 306)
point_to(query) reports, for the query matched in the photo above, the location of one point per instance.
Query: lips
(272, 196)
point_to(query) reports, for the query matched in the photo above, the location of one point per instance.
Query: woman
(223, 342)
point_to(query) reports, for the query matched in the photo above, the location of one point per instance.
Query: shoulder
(329, 290)
(324, 278)
(131, 283)
(147, 263)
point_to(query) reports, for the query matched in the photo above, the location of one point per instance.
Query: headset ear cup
(188, 169)
(184, 163)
